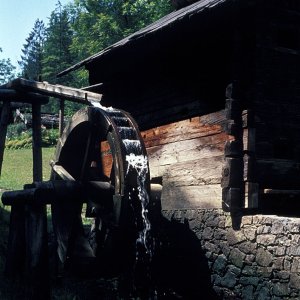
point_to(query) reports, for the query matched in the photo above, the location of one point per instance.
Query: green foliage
(31, 60)
(18, 137)
(99, 23)
(57, 55)
(15, 130)
(7, 70)
(23, 143)
(49, 137)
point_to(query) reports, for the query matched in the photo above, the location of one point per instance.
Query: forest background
(74, 32)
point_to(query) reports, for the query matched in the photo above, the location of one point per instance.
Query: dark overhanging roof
(173, 19)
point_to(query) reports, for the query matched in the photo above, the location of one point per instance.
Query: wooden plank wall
(188, 157)
(276, 105)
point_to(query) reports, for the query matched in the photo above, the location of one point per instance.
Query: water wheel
(103, 150)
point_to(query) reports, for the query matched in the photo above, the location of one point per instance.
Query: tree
(7, 70)
(57, 55)
(99, 23)
(31, 60)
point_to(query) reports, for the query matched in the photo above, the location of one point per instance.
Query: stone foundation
(259, 261)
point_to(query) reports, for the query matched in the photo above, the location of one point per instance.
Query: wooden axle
(49, 191)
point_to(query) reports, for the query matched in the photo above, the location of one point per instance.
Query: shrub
(20, 139)
(49, 137)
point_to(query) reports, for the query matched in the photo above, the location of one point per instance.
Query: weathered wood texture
(36, 222)
(188, 156)
(17, 96)
(3, 129)
(276, 99)
(37, 143)
(232, 173)
(57, 91)
(61, 117)
(15, 259)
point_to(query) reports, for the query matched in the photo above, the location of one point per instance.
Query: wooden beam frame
(53, 90)
(18, 96)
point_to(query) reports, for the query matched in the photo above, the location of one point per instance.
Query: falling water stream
(140, 164)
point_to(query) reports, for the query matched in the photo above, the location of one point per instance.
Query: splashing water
(140, 164)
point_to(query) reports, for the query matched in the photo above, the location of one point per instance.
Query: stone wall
(260, 261)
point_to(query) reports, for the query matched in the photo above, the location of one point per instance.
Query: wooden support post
(37, 251)
(15, 258)
(251, 186)
(36, 223)
(37, 142)
(3, 129)
(232, 176)
(61, 116)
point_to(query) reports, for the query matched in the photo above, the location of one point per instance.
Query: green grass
(17, 171)
(17, 167)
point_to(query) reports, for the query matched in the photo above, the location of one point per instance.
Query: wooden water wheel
(100, 160)
(98, 149)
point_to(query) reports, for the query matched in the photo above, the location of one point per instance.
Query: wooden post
(3, 129)
(37, 142)
(15, 258)
(251, 186)
(233, 170)
(61, 116)
(37, 251)
(36, 223)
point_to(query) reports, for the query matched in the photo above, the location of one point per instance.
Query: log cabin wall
(176, 93)
(276, 100)
(188, 157)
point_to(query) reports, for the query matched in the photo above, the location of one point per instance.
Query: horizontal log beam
(50, 191)
(278, 174)
(53, 90)
(24, 97)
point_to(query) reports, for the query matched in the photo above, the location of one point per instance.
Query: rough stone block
(211, 247)
(235, 237)
(249, 270)
(220, 234)
(278, 263)
(225, 248)
(247, 292)
(262, 293)
(277, 227)
(265, 271)
(250, 233)
(247, 247)
(281, 289)
(280, 250)
(294, 250)
(229, 280)
(263, 257)
(295, 281)
(249, 280)
(249, 259)
(266, 239)
(264, 229)
(207, 233)
(220, 264)
(296, 265)
(247, 220)
(237, 257)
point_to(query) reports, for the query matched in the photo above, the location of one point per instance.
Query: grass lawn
(17, 167)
